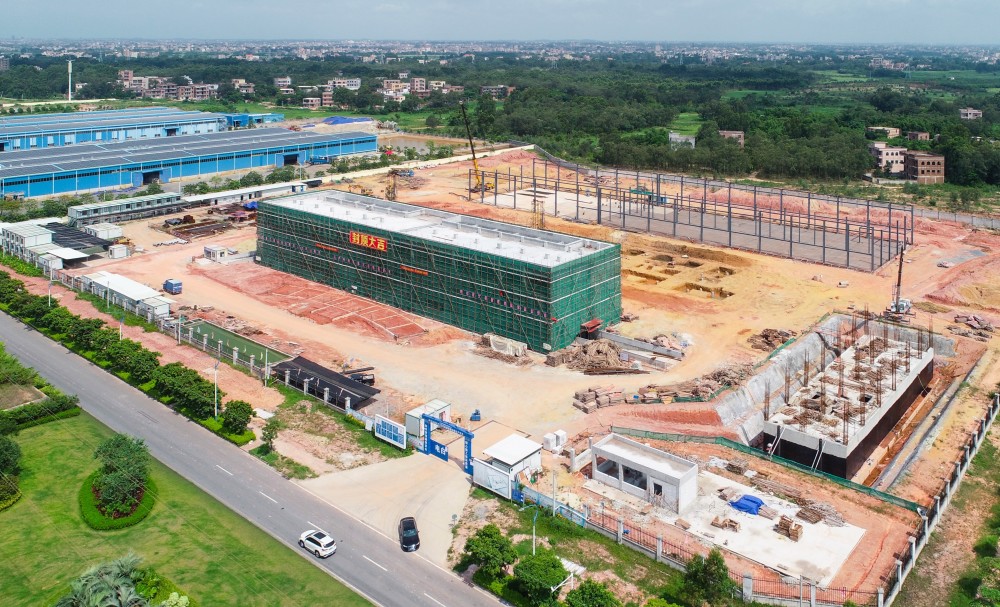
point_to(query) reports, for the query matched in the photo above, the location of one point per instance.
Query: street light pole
(217, 388)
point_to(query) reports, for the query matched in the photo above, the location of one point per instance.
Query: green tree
(270, 432)
(253, 178)
(176, 600)
(660, 603)
(591, 594)
(535, 576)
(484, 117)
(10, 455)
(123, 473)
(236, 416)
(491, 550)
(432, 121)
(707, 579)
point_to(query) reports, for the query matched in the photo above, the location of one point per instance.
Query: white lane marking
(377, 565)
(434, 599)
(313, 525)
(223, 469)
(268, 497)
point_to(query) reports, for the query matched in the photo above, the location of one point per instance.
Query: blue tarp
(344, 120)
(748, 504)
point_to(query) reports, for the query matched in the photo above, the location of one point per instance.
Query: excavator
(481, 186)
(390, 183)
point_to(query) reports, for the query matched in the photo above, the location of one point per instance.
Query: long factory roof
(58, 159)
(82, 123)
(539, 247)
(93, 116)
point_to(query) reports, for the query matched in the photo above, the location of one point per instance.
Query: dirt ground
(712, 298)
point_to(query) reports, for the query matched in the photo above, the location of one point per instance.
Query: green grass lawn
(686, 123)
(740, 94)
(836, 76)
(212, 554)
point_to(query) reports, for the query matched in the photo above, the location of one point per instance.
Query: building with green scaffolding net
(485, 276)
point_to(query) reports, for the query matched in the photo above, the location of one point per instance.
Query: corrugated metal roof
(81, 124)
(126, 287)
(98, 155)
(26, 230)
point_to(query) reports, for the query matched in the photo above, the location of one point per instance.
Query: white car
(318, 542)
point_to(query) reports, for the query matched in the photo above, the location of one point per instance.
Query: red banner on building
(372, 242)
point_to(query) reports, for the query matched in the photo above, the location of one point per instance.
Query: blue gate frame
(432, 447)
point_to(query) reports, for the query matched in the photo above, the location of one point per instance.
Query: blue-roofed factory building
(97, 166)
(54, 130)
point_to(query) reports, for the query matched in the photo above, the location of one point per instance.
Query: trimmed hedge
(29, 415)
(215, 426)
(10, 500)
(95, 520)
(51, 418)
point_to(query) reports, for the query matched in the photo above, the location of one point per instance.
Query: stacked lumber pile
(809, 515)
(728, 494)
(725, 523)
(829, 513)
(596, 397)
(737, 466)
(776, 488)
(767, 512)
(704, 387)
(789, 528)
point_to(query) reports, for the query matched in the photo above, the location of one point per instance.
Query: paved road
(369, 562)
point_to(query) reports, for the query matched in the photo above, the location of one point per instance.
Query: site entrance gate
(432, 447)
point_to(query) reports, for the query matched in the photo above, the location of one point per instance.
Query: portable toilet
(172, 286)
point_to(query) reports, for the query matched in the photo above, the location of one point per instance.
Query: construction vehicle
(899, 309)
(480, 186)
(360, 189)
(390, 183)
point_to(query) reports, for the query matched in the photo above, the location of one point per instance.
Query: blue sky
(805, 21)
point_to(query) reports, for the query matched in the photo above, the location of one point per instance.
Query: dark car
(409, 538)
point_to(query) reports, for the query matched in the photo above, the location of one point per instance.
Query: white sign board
(391, 432)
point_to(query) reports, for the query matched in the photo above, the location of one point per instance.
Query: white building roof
(126, 287)
(627, 450)
(513, 449)
(26, 230)
(539, 247)
(429, 407)
(263, 189)
(67, 254)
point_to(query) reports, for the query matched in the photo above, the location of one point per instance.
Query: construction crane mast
(480, 185)
(899, 308)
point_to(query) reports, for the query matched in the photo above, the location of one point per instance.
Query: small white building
(17, 238)
(215, 252)
(656, 476)
(127, 293)
(435, 408)
(107, 231)
(505, 460)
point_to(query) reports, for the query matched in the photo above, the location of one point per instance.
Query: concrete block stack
(596, 397)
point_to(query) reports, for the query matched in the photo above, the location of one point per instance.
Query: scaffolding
(540, 303)
(857, 234)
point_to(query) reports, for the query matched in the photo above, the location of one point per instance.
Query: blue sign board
(390, 431)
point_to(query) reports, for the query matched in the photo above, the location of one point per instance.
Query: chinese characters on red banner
(372, 242)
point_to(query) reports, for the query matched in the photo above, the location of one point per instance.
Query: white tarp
(507, 346)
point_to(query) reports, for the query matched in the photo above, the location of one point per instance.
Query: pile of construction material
(975, 327)
(789, 528)
(593, 355)
(704, 387)
(503, 349)
(770, 339)
(596, 397)
(725, 523)
(670, 342)
(811, 511)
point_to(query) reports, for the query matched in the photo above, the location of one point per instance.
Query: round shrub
(96, 520)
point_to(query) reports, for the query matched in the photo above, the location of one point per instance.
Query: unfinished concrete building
(829, 400)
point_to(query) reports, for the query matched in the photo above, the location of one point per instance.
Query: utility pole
(217, 388)
(69, 90)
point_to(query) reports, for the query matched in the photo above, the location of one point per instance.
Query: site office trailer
(540, 305)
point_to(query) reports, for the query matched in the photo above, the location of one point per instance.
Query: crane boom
(472, 146)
